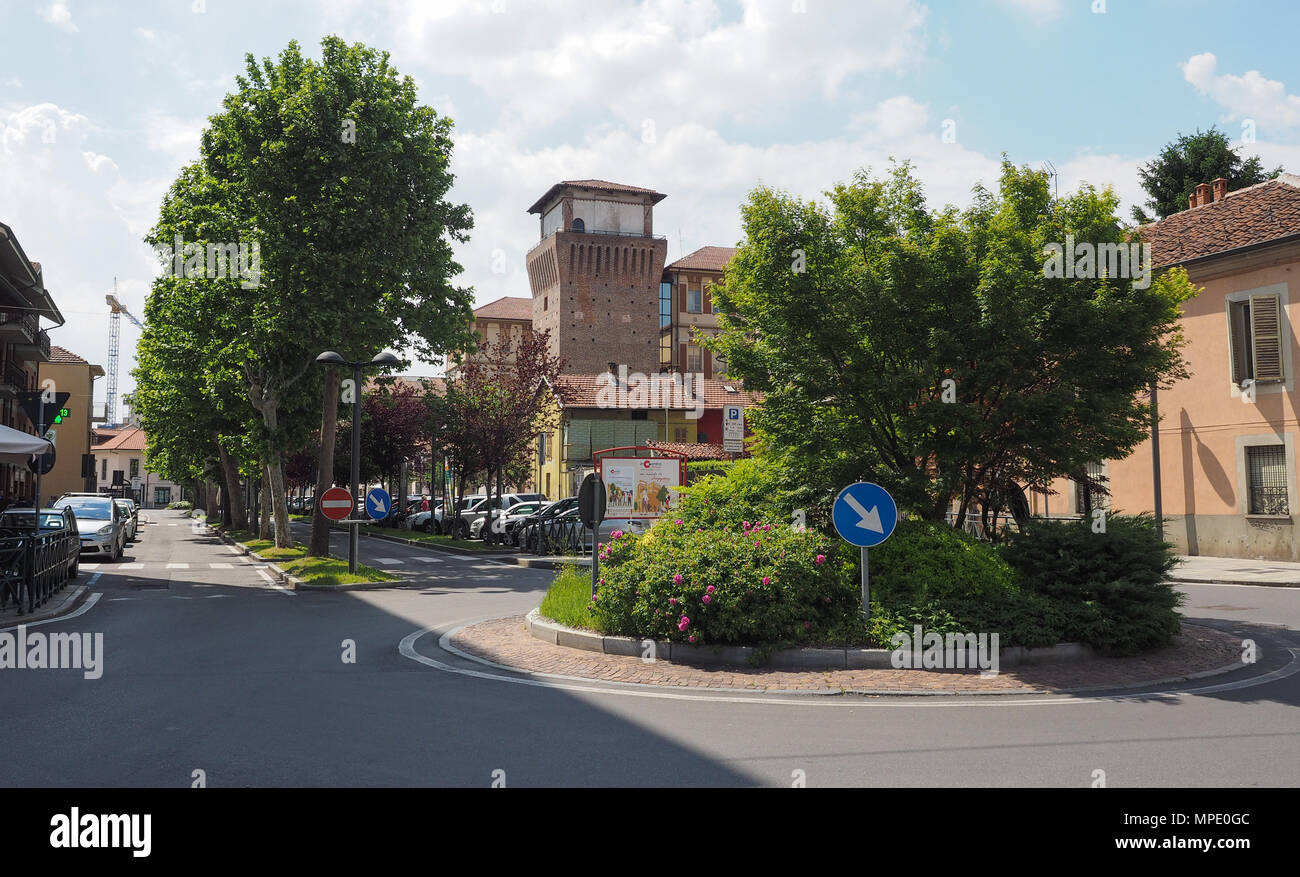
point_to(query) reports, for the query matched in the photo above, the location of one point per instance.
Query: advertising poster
(639, 487)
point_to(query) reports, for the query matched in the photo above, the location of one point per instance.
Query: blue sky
(101, 103)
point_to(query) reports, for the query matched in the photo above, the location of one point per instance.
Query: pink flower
(678, 522)
(686, 622)
(710, 589)
(672, 601)
(677, 579)
(692, 638)
(616, 534)
(745, 524)
(756, 544)
(821, 558)
(707, 599)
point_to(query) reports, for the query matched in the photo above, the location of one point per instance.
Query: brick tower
(595, 275)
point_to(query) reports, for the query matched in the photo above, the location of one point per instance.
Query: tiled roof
(583, 391)
(705, 259)
(1254, 215)
(128, 438)
(506, 309)
(434, 382)
(694, 450)
(60, 354)
(602, 185)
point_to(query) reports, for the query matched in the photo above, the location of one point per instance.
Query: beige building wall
(73, 434)
(1207, 425)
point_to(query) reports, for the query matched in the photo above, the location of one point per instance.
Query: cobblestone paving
(507, 641)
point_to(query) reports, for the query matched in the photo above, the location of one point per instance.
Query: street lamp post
(383, 358)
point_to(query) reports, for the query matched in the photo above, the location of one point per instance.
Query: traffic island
(525, 644)
(295, 569)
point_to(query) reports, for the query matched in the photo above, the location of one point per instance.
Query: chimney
(1202, 194)
(1191, 200)
(1220, 189)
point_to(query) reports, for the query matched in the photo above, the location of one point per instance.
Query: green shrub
(181, 504)
(754, 489)
(568, 600)
(927, 561)
(750, 584)
(1111, 586)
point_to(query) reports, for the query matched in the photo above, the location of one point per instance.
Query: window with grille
(135, 468)
(694, 359)
(1266, 472)
(1093, 486)
(1255, 326)
(694, 300)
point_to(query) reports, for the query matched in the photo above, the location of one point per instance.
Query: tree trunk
(233, 491)
(279, 503)
(264, 530)
(329, 423)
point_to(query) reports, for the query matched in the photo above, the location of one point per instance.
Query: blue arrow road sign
(378, 503)
(864, 514)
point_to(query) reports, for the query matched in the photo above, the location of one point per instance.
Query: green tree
(1191, 159)
(931, 352)
(342, 178)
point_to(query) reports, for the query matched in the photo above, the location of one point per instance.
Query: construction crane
(116, 308)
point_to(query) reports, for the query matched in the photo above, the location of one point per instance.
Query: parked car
(130, 521)
(429, 522)
(512, 514)
(53, 520)
(462, 506)
(99, 523)
(481, 509)
(526, 533)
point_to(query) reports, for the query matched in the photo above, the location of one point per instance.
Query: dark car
(526, 533)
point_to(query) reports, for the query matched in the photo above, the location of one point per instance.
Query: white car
(130, 518)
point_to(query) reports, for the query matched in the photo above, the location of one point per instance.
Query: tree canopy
(1191, 159)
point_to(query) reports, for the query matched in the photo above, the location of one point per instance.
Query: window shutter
(1265, 328)
(1239, 336)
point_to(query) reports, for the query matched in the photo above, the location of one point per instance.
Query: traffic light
(63, 412)
(38, 411)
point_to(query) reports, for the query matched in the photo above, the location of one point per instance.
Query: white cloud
(1243, 97)
(13, 82)
(57, 15)
(667, 60)
(1039, 10)
(894, 117)
(173, 136)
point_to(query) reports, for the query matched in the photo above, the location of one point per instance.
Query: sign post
(865, 515)
(591, 511)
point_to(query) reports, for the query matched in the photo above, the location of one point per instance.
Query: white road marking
(270, 580)
(428, 559)
(131, 566)
(81, 610)
(388, 561)
(221, 565)
(830, 698)
(215, 596)
(178, 566)
(119, 599)
(179, 597)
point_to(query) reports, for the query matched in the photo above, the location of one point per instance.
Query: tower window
(579, 225)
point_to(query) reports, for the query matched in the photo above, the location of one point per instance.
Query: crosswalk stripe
(388, 561)
(131, 566)
(178, 566)
(221, 565)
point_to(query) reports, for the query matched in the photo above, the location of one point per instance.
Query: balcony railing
(14, 323)
(14, 376)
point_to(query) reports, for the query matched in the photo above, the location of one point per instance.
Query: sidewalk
(1236, 571)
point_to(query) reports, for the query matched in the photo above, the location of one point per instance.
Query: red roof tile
(1254, 215)
(506, 309)
(60, 354)
(694, 450)
(128, 438)
(704, 259)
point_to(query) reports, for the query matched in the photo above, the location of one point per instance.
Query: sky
(102, 103)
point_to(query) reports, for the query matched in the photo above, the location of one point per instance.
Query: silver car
(99, 520)
(130, 519)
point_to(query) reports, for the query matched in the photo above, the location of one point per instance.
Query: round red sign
(336, 504)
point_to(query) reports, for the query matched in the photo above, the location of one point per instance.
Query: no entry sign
(336, 504)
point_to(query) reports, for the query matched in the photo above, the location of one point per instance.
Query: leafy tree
(929, 351)
(1171, 177)
(342, 178)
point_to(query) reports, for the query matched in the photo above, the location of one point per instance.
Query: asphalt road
(208, 666)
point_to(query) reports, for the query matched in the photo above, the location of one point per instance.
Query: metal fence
(34, 568)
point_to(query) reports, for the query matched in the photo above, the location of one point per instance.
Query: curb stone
(297, 584)
(785, 659)
(51, 609)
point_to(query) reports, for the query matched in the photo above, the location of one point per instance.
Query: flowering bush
(755, 583)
